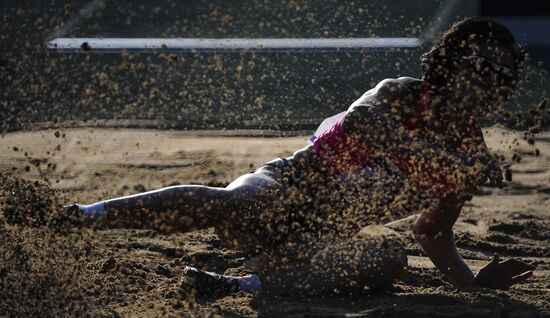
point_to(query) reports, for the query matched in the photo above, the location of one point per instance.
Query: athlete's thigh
(250, 181)
(259, 205)
(268, 176)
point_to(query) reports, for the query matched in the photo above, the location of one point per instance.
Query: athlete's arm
(433, 230)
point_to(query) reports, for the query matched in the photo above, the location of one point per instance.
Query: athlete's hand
(502, 275)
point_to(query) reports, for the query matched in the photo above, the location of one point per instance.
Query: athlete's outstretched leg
(187, 207)
(176, 208)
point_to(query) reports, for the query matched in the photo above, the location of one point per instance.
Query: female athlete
(406, 146)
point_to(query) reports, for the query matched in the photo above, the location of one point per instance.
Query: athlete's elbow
(430, 236)
(422, 228)
(434, 223)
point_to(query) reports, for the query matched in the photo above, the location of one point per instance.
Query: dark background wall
(211, 91)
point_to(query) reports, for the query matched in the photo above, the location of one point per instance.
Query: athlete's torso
(335, 152)
(339, 207)
(407, 102)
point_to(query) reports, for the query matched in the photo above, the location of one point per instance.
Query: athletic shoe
(84, 215)
(67, 215)
(72, 210)
(203, 284)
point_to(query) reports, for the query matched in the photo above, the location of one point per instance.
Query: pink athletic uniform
(339, 152)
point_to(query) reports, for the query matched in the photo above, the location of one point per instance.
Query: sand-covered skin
(137, 272)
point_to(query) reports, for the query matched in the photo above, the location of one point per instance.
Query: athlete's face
(487, 77)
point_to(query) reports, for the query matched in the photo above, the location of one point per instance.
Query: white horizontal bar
(230, 45)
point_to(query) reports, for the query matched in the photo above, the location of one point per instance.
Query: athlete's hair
(443, 58)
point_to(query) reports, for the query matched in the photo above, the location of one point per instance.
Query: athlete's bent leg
(259, 199)
(342, 267)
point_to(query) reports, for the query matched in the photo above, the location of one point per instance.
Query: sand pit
(51, 268)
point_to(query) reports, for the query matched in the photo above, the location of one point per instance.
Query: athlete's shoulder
(388, 90)
(398, 86)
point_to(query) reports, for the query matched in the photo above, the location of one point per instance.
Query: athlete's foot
(203, 284)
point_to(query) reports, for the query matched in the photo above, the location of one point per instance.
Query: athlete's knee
(396, 256)
(361, 263)
(383, 260)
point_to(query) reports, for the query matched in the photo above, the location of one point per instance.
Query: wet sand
(56, 269)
